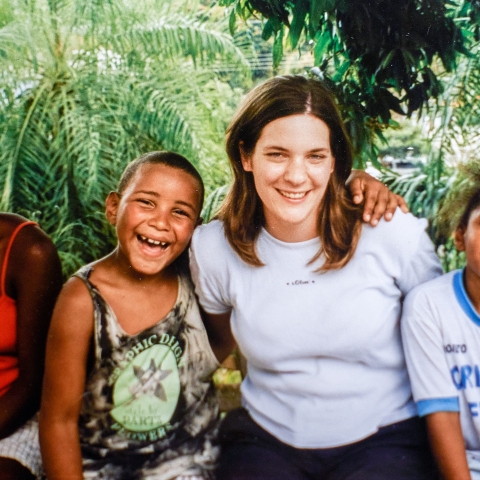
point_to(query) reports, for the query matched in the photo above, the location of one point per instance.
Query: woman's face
(291, 165)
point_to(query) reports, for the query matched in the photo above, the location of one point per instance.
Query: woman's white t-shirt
(325, 360)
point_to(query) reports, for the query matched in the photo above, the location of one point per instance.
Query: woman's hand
(377, 198)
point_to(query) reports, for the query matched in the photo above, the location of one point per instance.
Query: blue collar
(462, 298)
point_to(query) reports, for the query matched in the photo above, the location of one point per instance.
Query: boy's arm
(64, 382)
(34, 274)
(447, 443)
(378, 199)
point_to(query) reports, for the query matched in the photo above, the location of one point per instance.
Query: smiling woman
(301, 119)
(312, 298)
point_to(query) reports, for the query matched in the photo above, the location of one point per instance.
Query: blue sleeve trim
(433, 405)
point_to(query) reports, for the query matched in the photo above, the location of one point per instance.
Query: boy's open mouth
(153, 243)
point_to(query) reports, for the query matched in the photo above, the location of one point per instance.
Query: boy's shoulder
(434, 287)
(430, 298)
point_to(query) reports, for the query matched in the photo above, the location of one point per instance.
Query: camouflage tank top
(151, 394)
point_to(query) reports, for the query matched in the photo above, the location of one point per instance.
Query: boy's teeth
(153, 242)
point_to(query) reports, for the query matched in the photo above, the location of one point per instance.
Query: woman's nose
(296, 172)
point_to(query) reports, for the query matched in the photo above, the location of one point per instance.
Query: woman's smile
(293, 195)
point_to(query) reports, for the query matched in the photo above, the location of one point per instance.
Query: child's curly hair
(463, 199)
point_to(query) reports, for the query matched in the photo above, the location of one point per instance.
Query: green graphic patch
(146, 393)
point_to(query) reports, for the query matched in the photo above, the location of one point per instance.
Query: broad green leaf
(298, 22)
(317, 10)
(322, 42)
(278, 48)
(232, 22)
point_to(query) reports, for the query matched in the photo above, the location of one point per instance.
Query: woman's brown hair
(339, 222)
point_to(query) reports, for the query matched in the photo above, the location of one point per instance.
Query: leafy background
(89, 85)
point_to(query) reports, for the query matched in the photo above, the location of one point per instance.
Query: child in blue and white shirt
(441, 335)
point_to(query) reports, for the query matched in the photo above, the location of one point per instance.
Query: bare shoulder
(35, 245)
(33, 263)
(74, 294)
(73, 311)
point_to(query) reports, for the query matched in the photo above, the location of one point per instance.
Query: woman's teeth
(292, 194)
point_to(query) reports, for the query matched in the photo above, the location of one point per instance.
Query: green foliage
(423, 190)
(441, 191)
(88, 86)
(213, 202)
(405, 139)
(377, 55)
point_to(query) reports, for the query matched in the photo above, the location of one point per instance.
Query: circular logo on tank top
(146, 393)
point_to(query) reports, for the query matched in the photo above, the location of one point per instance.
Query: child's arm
(64, 382)
(429, 371)
(34, 275)
(446, 439)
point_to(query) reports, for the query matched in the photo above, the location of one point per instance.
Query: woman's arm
(446, 439)
(64, 382)
(34, 279)
(378, 199)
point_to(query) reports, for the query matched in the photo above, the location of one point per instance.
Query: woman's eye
(144, 201)
(276, 155)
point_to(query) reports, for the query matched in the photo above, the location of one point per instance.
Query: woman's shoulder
(402, 239)
(403, 228)
(210, 250)
(211, 235)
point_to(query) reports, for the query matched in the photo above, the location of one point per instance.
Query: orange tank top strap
(7, 255)
(8, 323)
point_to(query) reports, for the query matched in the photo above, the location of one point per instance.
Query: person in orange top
(30, 281)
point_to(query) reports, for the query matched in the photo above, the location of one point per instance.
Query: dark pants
(396, 452)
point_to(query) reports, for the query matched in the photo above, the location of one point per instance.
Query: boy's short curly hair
(169, 159)
(472, 205)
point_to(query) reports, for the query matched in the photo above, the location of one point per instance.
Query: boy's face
(155, 217)
(467, 239)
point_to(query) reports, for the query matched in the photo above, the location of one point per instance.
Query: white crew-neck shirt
(325, 360)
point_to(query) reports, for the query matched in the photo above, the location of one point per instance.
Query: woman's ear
(459, 238)
(111, 207)
(246, 159)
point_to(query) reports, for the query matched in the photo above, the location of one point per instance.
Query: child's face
(467, 239)
(155, 217)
